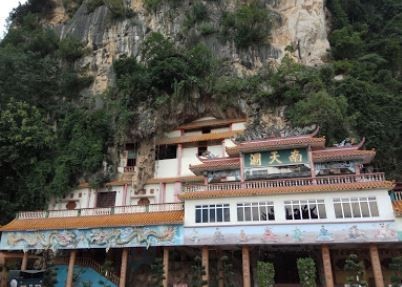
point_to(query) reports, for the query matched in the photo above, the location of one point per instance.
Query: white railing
(130, 209)
(335, 179)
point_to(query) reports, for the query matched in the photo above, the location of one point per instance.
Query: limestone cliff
(300, 31)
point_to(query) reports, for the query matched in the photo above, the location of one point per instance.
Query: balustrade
(320, 180)
(100, 211)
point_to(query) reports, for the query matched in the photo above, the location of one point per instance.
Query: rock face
(301, 32)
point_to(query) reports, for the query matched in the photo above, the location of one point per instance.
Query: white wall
(220, 130)
(152, 192)
(238, 126)
(189, 156)
(166, 168)
(383, 201)
(173, 134)
(217, 150)
(170, 193)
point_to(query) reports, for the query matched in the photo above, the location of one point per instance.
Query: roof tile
(84, 222)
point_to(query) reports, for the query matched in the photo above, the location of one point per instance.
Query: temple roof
(209, 123)
(276, 143)
(287, 189)
(85, 222)
(340, 154)
(216, 164)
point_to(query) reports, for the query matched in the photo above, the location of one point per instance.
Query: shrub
(356, 268)
(249, 25)
(307, 272)
(265, 274)
(93, 4)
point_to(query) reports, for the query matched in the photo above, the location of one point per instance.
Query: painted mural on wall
(93, 238)
(292, 234)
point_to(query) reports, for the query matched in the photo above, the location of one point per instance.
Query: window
(305, 209)
(206, 130)
(106, 199)
(202, 148)
(166, 151)
(131, 154)
(212, 213)
(356, 207)
(256, 211)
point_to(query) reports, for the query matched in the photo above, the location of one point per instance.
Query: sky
(5, 8)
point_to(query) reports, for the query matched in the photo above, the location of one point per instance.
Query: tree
(198, 271)
(226, 269)
(265, 274)
(157, 271)
(307, 272)
(356, 268)
(396, 266)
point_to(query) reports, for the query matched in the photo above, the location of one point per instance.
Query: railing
(89, 262)
(396, 196)
(129, 169)
(101, 211)
(321, 180)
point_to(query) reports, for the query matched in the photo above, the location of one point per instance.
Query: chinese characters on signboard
(271, 164)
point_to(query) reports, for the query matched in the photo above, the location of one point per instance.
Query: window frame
(299, 204)
(353, 206)
(253, 208)
(220, 212)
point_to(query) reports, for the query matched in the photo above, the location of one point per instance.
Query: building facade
(204, 189)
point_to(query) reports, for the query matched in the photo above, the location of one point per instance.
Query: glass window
(356, 207)
(212, 213)
(305, 209)
(255, 211)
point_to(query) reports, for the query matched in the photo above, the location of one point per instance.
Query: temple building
(206, 189)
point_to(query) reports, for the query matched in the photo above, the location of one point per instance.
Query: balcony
(130, 209)
(262, 184)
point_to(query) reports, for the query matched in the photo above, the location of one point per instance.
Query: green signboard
(276, 158)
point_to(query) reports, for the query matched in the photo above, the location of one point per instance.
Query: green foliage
(48, 142)
(226, 267)
(197, 272)
(307, 272)
(249, 25)
(157, 271)
(152, 5)
(265, 274)
(71, 49)
(93, 4)
(356, 268)
(322, 109)
(396, 266)
(367, 50)
(50, 276)
(198, 13)
(42, 8)
(26, 139)
(166, 72)
(71, 6)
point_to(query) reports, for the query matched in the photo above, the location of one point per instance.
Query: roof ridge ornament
(258, 132)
